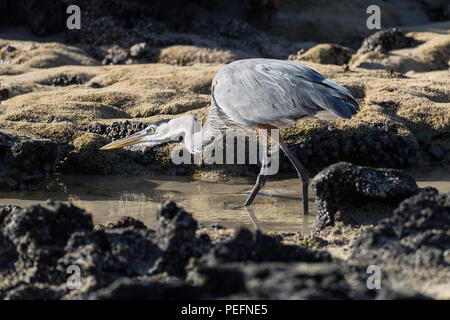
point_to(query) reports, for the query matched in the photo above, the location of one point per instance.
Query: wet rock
(420, 136)
(320, 148)
(436, 152)
(115, 55)
(108, 254)
(417, 235)
(436, 10)
(86, 156)
(217, 226)
(36, 237)
(235, 29)
(344, 185)
(175, 235)
(109, 23)
(8, 254)
(6, 210)
(26, 162)
(46, 17)
(117, 130)
(328, 54)
(95, 85)
(421, 213)
(138, 49)
(4, 94)
(26, 291)
(386, 40)
(39, 243)
(260, 11)
(7, 53)
(10, 48)
(389, 294)
(257, 247)
(97, 128)
(218, 281)
(145, 288)
(276, 281)
(126, 221)
(66, 80)
(135, 251)
(144, 52)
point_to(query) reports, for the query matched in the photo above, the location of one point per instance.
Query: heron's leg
(260, 182)
(301, 172)
(253, 219)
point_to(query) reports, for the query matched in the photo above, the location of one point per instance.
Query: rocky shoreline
(80, 108)
(180, 259)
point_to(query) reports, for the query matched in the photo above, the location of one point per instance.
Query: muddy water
(277, 208)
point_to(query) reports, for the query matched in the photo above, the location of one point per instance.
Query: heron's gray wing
(257, 91)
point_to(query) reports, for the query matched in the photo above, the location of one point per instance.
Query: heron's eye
(152, 129)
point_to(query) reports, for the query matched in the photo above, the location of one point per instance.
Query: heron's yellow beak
(127, 141)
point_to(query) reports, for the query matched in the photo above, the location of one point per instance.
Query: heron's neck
(197, 137)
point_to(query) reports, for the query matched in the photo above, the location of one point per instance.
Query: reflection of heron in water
(305, 228)
(255, 93)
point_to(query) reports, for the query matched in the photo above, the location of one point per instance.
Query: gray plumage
(266, 91)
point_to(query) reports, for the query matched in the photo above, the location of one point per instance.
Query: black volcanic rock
(127, 221)
(270, 280)
(175, 235)
(344, 185)
(36, 237)
(117, 130)
(321, 148)
(147, 288)
(127, 261)
(25, 162)
(108, 254)
(46, 17)
(416, 235)
(257, 247)
(386, 40)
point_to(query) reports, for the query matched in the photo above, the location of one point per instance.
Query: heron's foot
(260, 182)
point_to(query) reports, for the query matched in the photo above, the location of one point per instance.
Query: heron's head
(155, 134)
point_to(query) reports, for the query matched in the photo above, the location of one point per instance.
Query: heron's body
(256, 93)
(265, 91)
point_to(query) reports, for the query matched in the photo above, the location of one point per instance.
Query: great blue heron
(256, 93)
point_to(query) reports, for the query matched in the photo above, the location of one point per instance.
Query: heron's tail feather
(326, 115)
(338, 100)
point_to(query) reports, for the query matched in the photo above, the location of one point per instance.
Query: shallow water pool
(277, 208)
